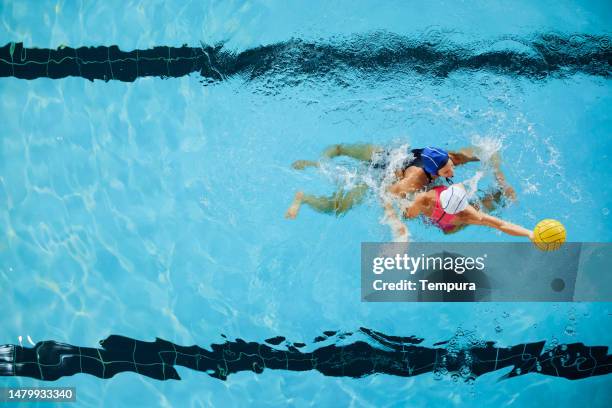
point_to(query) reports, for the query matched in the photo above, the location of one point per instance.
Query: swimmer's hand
(401, 234)
(398, 229)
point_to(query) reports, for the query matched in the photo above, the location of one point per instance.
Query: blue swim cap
(434, 159)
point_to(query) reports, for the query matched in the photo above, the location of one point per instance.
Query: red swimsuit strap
(438, 211)
(439, 216)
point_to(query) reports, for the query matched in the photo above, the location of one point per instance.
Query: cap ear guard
(454, 199)
(434, 159)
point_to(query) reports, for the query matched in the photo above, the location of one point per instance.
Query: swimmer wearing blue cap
(420, 169)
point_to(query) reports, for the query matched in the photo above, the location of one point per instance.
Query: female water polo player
(421, 168)
(449, 209)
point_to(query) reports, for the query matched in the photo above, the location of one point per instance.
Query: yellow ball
(549, 235)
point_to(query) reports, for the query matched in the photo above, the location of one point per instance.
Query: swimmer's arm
(463, 156)
(389, 210)
(398, 228)
(468, 154)
(404, 187)
(396, 189)
(416, 208)
(501, 178)
(471, 216)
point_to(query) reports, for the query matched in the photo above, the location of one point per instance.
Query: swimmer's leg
(294, 208)
(363, 152)
(351, 199)
(338, 203)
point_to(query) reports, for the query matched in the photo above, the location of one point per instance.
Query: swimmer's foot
(302, 164)
(294, 208)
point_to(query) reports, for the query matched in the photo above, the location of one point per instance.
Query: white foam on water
(396, 157)
(471, 184)
(343, 176)
(487, 146)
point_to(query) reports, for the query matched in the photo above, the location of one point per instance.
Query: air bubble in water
(465, 371)
(605, 211)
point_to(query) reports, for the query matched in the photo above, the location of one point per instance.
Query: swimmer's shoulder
(416, 173)
(421, 202)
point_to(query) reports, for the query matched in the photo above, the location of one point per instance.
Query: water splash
(395, 158)
(471, 184)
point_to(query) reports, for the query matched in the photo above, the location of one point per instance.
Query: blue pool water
(155, 208)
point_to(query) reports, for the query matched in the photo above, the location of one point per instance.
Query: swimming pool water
(155, 208)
